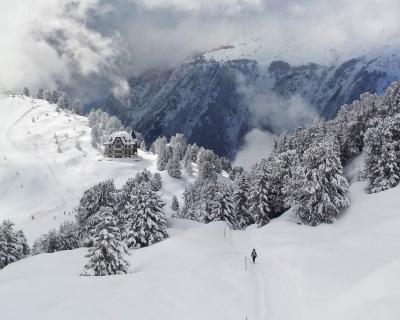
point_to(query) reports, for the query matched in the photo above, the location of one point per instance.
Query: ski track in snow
(260, 282)
(61, 205)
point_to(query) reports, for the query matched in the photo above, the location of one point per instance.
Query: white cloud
(228, 7)
(257, 145)
(47, 41)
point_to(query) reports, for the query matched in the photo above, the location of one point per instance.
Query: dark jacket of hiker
(254, 255)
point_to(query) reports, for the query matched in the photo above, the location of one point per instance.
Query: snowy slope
(38, 184)
(348, 270)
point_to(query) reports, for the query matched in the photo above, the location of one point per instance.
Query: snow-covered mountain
(208, 100)
(39, 186)
(327, 88)
(198, 98)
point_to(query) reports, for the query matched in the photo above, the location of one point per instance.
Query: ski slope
(37, 183)
(347, 270)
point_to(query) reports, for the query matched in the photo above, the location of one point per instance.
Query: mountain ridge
(205, 100)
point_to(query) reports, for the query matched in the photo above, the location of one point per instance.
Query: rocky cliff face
(199, 98)
(327, 88)
(204, 98)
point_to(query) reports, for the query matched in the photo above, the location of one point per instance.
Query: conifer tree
(319, 190)
(107, 255)
(13, 244)
(156, 182)
(207, 172)
(158, 145)
(100, 195)
(175, 206)
(223, 207)
(241, 200)
(54, 96)
(260, 194)
(187, 162)
(173, 165)
(382, 160)
(147, 223)
(179, 144)
(95, 136)
(47, 95)
(63, 101)
(163, 157)
(40, 93)
(77, 107)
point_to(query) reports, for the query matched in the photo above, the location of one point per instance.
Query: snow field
(38, 184)
(346, 270)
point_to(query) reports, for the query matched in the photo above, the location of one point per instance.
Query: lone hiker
(254, 255)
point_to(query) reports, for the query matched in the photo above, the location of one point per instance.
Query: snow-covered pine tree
(187, 162)
(286, 164)
(93, 118)
(241, 200)
(319, 190)
(179, 144)
(47, 243)
(390, 104)
(143, 176)
(63, 101)
(95, 136)
(158, 144)
(23, 249)
(156, 182)
(47, 95)
(100, 195)
(108, 254)
(199, 199)
(13, 245)
(69, 236)
(175, 206)
(223, 207)
(163, 157)
(26, 92)
(207, 171)
(146, 223)
(173, 165)
(382, 160)
(192, 151)
(190, 198)
(40, 94)
(77, 107)
(260, 202)
(113, 125)
(54, 96)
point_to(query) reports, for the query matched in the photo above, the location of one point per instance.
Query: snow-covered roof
(125, 137)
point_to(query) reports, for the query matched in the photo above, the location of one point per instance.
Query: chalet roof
(125, 137)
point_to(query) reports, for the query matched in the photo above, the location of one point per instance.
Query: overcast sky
(45, 42)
